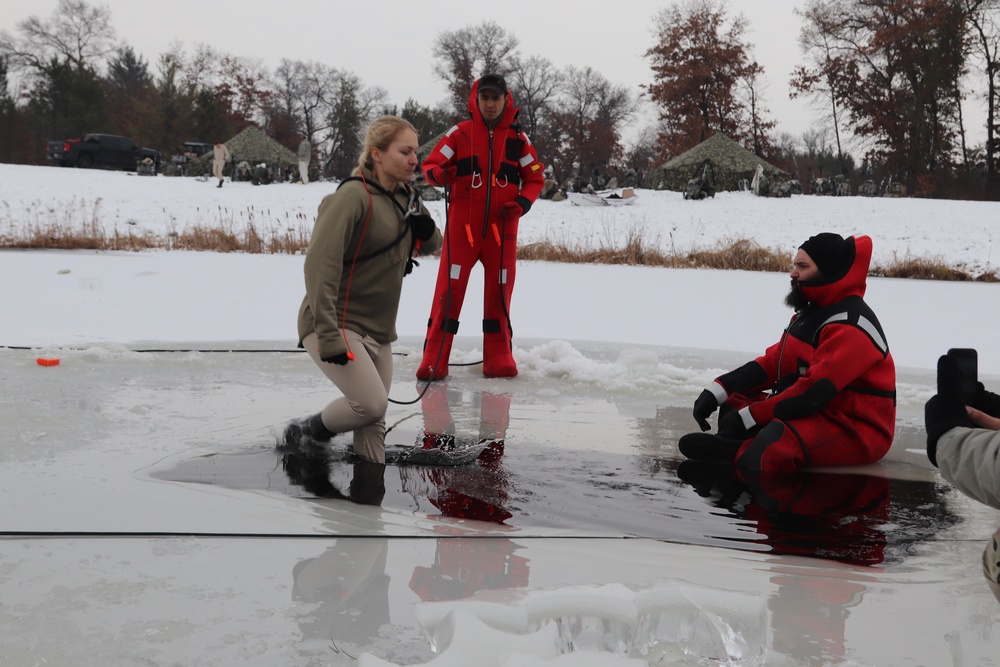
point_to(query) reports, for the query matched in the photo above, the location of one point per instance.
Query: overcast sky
(389, 43)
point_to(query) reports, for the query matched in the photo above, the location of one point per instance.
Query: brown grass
(56, 238)
(743, 255)
(79, 228)
(260, 234)
(929, 269)
(204, 239)
(735, 254)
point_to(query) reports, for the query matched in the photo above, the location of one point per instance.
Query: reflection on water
(463, 566)
(840, 516)
(344, 592)
(312, 471)
(480, 473)
(344, 596)
(473, 471)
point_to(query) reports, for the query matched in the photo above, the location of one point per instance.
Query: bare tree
(198, 70)
(76, 33)
(535, 83)
(641, 153)
(353, 106)
(900, 63)
(591, 114)
(814, 141)
(464, 55)
(760, 126)
(820, 81)
(784, 153)
(242, 88)
(306, 93)
(984, 26)
(286, 82)
(698, 61)
(319, 85)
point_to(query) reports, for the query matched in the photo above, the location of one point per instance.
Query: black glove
(944, 411)
(512, 211)
(339, 359)
(811, 400)
(442, 175)
(422, 225)
(704, 406)
(731, 426)
(949, 378)
(986, 401)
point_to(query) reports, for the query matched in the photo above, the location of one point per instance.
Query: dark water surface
(863, 516)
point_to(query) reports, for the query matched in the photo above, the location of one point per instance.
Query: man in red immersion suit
(493, 176)
(825, 393)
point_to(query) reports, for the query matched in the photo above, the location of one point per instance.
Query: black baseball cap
(492, 82)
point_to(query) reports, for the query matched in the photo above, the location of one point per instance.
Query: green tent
(252, 146)
(730, 162)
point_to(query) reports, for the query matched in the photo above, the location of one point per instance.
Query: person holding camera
(963, 431)
(963, 441)
(825, 393)
(361, 248)
(493, 176)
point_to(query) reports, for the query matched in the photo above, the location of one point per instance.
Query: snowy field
(148, 519)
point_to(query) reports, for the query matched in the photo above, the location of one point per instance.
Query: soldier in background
(220, 156)
(305, 156)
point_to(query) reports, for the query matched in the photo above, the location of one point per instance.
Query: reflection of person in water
(839, 516)
(464, 566)
(346, 586)
(467, 492)
(817, 637)
(830, 515)
(311, 470)
(439, 426)
(346, 590)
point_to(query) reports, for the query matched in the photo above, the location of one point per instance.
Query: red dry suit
(825, 394)
(494, 177)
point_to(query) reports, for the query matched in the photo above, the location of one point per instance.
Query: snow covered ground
(140, 487)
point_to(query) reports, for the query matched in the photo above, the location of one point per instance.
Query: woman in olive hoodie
(361, 246)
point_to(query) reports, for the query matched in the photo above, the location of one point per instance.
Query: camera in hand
(966, 360)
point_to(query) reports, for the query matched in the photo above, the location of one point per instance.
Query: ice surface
(149, 517)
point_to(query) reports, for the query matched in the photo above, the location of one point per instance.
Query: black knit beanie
(828, 250)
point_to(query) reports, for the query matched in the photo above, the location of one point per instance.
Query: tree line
(887, 78)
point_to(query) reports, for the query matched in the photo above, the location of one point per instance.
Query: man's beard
(795, 299)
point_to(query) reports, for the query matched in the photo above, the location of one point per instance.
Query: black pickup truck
(102, 150)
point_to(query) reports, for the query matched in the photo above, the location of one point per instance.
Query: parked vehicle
(101, 150)
(188, 151)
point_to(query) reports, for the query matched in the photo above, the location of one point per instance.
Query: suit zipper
(489, 186)
(781, 351)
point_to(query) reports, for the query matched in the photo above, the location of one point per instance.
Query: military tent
(730, 162)
(255, 147)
